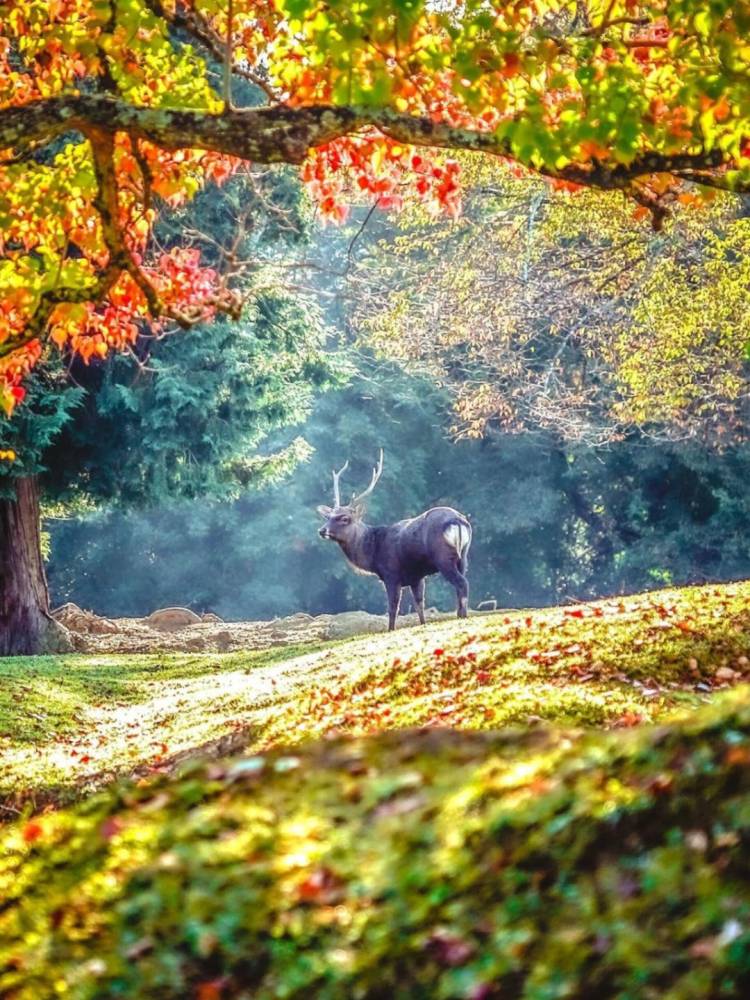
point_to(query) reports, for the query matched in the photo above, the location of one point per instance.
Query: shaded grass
(408, 865)
(70, 724)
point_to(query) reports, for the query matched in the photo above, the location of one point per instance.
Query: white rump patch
(457, 536)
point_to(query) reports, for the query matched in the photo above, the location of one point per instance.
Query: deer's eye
(343, 519)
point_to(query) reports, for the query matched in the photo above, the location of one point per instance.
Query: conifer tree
(181, 417)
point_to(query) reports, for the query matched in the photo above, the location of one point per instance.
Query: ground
(387, 860)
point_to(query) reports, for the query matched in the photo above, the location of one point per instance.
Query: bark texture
(283, 134)
(26, 625)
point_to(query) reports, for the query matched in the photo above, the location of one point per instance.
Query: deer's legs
(394, 599)
(417, 592)
(456, 579)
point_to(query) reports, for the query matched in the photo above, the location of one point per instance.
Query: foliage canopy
(111, 109)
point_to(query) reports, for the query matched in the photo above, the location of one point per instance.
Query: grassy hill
(70, 724)
(600, 856)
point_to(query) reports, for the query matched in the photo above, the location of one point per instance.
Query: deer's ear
(324, 511)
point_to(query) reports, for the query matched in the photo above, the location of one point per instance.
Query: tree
(109, 108)
(566, 314)
(552, 522)
(183, 418)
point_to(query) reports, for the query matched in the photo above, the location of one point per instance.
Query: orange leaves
(92, 332)
(32, 831)
(321, 886)
(628, 720)
(210, 990)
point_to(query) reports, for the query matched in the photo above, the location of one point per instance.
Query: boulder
(171, 619)
(75, 619)
(354, 623)
(209, 616)
(223, 640)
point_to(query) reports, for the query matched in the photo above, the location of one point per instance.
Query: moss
(416, 864)
(70, 724)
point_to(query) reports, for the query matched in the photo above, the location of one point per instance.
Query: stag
(404, 553)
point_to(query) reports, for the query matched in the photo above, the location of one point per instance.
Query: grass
(69, 725)
(408, 865)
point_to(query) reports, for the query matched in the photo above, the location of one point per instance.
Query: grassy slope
(537, 863)
(69, 724)
(431, 864)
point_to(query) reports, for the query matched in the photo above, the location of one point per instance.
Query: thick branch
(282, 134)
(120, 257)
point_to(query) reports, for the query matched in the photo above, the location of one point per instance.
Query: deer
(401, 554)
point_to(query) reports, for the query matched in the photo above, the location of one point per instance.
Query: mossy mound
(431, 864)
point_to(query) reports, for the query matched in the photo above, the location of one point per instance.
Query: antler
(376, 474)
(336, 477)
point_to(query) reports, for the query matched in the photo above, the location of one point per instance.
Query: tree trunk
(26, 625)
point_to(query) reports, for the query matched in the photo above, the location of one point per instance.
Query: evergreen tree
(183, 418)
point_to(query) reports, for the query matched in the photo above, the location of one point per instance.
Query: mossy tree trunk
(26, 625)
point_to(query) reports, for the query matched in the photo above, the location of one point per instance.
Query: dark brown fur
(404, 553)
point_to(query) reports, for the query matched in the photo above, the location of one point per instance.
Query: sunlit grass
(69, 724)
(406, 864)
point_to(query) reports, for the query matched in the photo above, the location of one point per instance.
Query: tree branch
(282, 134)
(106, 202)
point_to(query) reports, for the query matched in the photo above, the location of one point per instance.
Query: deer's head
(342, 520)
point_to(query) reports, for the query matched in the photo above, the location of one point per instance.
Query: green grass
(68, 725)
(597, 857)
(409, 865)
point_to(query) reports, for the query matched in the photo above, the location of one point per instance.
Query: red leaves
(321, 886)
(111, 827)
(511, 65)
(381, 167)
(32, 831)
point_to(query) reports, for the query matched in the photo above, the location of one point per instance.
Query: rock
(354, 623)
(209, 616)
(84, 622)
(171, 619)
(725, 674)
(102, 626)
(490, 605)
(56, 638)
(223, 640)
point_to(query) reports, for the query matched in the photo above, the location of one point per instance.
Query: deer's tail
(458, 536)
